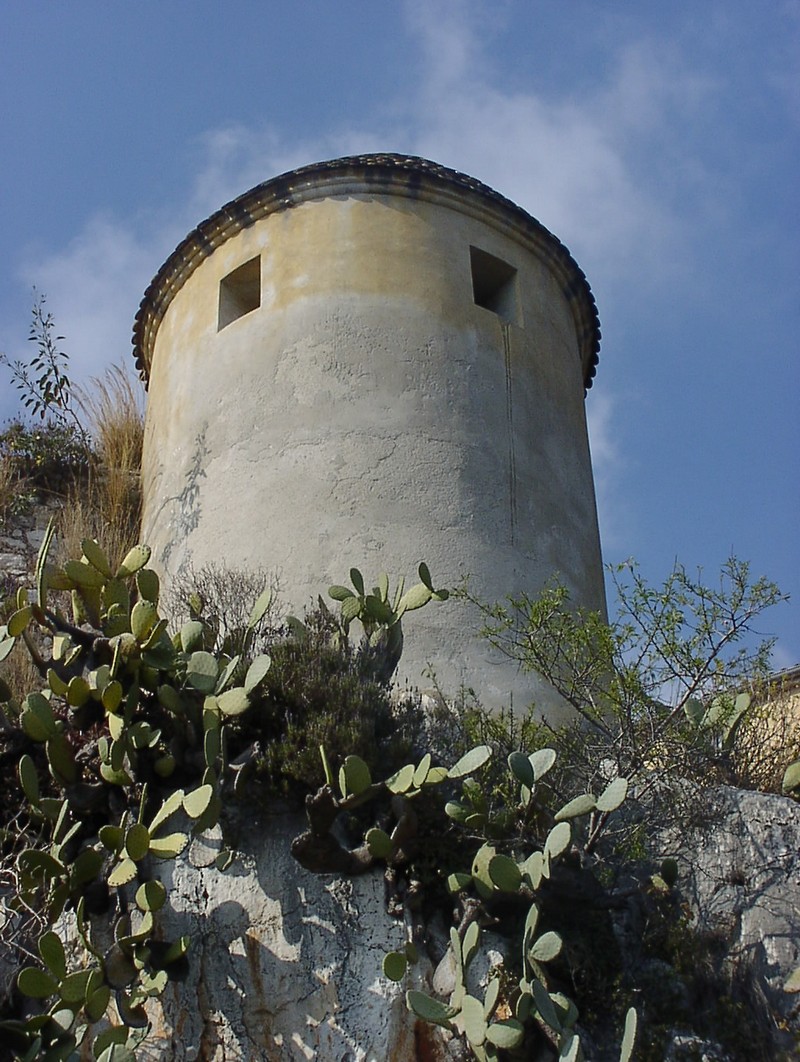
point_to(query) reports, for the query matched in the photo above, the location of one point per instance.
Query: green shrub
(654, 692)
(321, 691)
(46, 460)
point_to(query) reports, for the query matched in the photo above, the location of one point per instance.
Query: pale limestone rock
(285, 965)
(740, 871)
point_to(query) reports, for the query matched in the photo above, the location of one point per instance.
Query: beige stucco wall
(370, 414)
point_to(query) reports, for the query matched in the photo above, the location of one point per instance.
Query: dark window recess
(239, 292)
(494, 285)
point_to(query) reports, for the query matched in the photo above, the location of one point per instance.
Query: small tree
(664, 686)
(44, 384)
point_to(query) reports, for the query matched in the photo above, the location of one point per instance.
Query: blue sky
(659, 142)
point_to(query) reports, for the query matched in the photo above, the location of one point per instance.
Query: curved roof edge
(384, 174)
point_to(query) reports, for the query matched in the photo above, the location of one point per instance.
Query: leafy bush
(321, 692)
(321, 688)
(43, 382)
(48, 459)
(658, 699)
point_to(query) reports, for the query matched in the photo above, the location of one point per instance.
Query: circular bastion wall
(372, 362)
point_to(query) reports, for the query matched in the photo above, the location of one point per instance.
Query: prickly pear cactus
(121, 758)
(513, 864)
(381, 614)
(121, 761)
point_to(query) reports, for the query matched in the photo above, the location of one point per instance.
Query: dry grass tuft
(112, 410)
(19, 673)
(9, 484)
(108, 506)
(103, 503)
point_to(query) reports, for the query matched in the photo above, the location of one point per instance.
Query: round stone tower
(371, 362)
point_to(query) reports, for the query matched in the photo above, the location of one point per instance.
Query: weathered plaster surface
(369, 413)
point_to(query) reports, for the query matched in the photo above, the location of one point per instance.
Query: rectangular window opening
(494, 285)
(239, 292)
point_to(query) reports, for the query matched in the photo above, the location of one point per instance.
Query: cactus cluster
(122, 757)
(513, 863)
(517, 873)
(122, 760)
(381, 614)
(720, 718)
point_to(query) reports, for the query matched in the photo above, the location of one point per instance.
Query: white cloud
(609, 465)
(568, 161)
(575, 162)
(447, 33)
(552, 160)
(651, 83)
(235, 158)
(93, 288)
